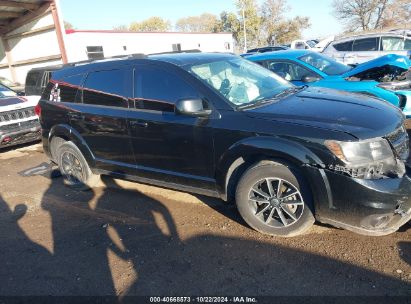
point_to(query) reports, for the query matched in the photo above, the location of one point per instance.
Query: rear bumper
(370, 207)
(30, 131)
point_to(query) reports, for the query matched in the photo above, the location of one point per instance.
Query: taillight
(37, 110)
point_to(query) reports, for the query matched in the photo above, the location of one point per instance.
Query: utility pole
(244, 29)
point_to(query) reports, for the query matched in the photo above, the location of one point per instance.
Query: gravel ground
(124, 239)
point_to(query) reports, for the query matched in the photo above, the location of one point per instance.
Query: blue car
(387, 77)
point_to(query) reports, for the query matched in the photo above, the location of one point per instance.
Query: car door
(290, 71)
(366, 49)
(168, 146)
(101, 118)
(343, 51)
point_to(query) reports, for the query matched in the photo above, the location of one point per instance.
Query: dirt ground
(124, 238)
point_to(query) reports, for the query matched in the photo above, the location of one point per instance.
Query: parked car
(303, 44)
(37, 79)
(362, 48)
(387, 77)
(15, 86)
(220, 125)
(264, 50)
(18, 121)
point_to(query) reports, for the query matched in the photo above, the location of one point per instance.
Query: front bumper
(370, 207)
(25, 132)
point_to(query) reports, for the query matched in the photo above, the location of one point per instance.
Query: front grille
(399, 141)
(20, 125)
(17, 114)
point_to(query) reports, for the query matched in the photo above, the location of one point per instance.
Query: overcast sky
(104, 14)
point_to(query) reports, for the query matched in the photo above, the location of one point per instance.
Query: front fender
(68, 133)
(262, 147)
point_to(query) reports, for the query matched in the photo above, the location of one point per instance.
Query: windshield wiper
(275, 98)
(258, 103)
(290, 91)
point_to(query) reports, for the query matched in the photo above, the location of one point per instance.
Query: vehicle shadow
(121, 242)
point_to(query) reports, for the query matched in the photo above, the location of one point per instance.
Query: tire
(74, 168)
(262, 209)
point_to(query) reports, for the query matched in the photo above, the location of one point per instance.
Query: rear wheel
(74, 168)
(273, 200)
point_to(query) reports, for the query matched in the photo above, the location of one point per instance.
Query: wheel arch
(67, 133)
(248, 152)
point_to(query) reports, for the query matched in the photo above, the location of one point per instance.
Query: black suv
(219, 125)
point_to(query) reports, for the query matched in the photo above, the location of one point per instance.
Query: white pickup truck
(18, 121)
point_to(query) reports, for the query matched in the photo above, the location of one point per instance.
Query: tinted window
(108, 88)
(289, 71)
(343, 46)
(158, 89)
(32, 77)
(367, 44)
(69, 87)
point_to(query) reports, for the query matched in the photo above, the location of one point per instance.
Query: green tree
(203, 23)
(252, 20)
(274, 25)
(152, 24)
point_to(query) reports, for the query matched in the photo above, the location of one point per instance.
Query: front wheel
(272, 200)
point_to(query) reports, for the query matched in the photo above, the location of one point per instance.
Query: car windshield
(325, 64)
(6, 92)
(240, 81)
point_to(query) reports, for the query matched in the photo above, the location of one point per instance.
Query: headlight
(368, 159)
(360, 152)
(395, 86)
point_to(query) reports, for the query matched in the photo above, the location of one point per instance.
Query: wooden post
(59, 32)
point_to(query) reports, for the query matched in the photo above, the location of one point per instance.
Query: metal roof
(13, 11)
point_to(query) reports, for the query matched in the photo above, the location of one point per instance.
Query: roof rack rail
(127, 56)
(177, 52)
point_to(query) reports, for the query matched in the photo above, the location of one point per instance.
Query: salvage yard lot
(124, 238)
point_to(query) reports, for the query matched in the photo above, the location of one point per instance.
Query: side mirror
(192, 107)
(308, 78)
(21, 94)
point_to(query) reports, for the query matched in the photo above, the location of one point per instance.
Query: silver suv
(362, 48)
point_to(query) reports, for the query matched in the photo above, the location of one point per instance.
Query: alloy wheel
(72, 168)
(276, 202)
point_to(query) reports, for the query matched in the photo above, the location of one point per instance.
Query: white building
(32, 35)
(90, 44)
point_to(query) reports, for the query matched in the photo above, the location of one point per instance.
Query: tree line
(267, 23)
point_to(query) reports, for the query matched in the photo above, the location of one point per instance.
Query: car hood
(17, 102)
(356, 114)
(394, 60)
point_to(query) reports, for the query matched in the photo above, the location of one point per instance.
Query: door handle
(138, 123)
(75, 115)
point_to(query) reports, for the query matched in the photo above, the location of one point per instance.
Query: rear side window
(158, 89)
(64, 90)
(69, 87)
(343, 46)
(367, 44)
(32, 77)
(108, 88)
